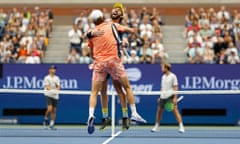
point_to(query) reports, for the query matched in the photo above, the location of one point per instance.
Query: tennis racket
(117, 37)
(180, 98)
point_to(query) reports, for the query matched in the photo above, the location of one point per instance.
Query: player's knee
(54, 110)
(49, 108)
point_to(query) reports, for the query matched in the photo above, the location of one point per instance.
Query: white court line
(112, 137)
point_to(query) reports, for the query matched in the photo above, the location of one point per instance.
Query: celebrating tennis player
(51, 87)
(117, 15)
(106, 61)
(169, 86)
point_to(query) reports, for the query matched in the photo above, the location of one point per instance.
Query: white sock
(156, 125)
(51, 122)
(133, 109)
(91, 112)
(181, 125)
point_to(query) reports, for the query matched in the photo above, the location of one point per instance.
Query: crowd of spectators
(145, 45)
(213, 36)
(24, 34)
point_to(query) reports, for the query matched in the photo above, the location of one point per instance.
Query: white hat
(95, 14)
(133, 52)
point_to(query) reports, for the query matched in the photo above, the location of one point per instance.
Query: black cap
(52, 67)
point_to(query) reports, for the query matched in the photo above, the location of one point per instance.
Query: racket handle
(125, 52)
(180, 98)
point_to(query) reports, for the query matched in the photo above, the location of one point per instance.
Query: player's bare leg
(158, 119)
(123, 101)
(96, 87)
(104, 103)
(179, 119)
(129, 93)
(47, 113)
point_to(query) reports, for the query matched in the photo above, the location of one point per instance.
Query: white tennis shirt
(53, 82)
(167, 84)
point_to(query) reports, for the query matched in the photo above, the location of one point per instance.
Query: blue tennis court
(26, 134)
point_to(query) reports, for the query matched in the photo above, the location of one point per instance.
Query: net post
(113, 114)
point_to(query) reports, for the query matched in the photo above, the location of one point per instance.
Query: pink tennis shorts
(114, 67)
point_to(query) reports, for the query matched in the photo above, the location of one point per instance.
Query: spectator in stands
(22, 53)
(205, 31)
(238, 42)
(3, 20)
(15, 43)
(195, 54)
(8, 58)
(31, 30)
(236, 31)
(214, 24)
(232, 58)
(133, 59)
(73, 56)
(75, 36)
(218, 45)
(42, 31)
(222, 57)
(145, 27)
(41, 44)
(158, 52)
(231, 48)
(84, 58)
(203, 21)
(42, 19)
(50, 18)
(208, 55)
(32, 58)
(211, 13)
(23, 26)
(25, 22)
(157, 34)
(37, 11)
(146, 54)
(36, 51)
(223, 14)
(27, 41)
(2, 53)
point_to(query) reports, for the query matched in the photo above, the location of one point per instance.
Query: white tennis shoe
(181, 130)
(137, 118)
(155, 129)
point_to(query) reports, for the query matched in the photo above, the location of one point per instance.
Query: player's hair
(167, 66)
(98, 21)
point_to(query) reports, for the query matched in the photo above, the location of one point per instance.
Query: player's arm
(122, 28)
(94, 33)
(90, 46)
(46, 84)
(58, 87)
(175, 88)
(47, 87)
(160, 95)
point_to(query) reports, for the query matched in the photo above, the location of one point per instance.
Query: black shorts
(51, 101)
(162, 102)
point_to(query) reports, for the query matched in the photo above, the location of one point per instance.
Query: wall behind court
(196, 109)
(123, 1)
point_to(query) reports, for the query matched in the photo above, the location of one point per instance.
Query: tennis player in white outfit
(51, 87)
(169, 84)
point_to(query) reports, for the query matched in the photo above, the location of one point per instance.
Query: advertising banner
(142, 78)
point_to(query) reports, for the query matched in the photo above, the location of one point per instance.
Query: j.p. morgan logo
(203, 82)
(35, 82)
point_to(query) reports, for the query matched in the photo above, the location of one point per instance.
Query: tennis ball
(169, 106)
